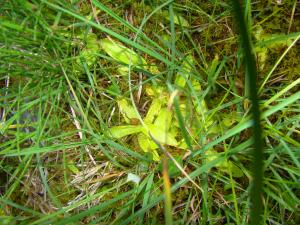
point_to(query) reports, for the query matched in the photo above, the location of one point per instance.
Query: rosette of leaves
(154, 131)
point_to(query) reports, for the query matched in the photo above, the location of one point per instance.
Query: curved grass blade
(251, 73)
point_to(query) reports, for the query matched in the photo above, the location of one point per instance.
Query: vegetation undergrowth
(132, 112)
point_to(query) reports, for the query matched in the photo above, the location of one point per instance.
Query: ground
(138, 112)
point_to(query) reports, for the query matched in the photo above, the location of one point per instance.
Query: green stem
(251, 75)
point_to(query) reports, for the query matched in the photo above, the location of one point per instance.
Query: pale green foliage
(161, 135)
(129, 113)
(126, 56)
(90, 51)
(121, 53)
(148, 145)
(153, 110)
(183, 75)
(224, 166)
(178, 19)
(125, 130)
(266, 42)
(164, 119)
(157, 129)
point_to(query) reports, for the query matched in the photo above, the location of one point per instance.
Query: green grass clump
(132, 112)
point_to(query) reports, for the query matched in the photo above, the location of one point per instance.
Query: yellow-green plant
(154, 129)
(178, 19)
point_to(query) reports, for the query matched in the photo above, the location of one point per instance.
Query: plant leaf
(224, 166)
(121, 53)
(178, 20)
(153, 110)
(163, 120)
(147, 145)
(128, 111)
(92, 48)
(122, 131)
(161, 136)
(183, 75)
(173, 169)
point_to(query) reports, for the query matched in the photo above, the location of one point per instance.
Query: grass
(60, 99)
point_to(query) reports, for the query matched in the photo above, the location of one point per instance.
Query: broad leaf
(225, 166)
(128, 111)
(178, 20)
(121, 53)
(147, 145)
(183, 75)
(90, 51)
(163, 120)
(161, 136)
(122, 131)
(153, 110)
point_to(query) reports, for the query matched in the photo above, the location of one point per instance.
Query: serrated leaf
(121, 53)
(122, 131)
